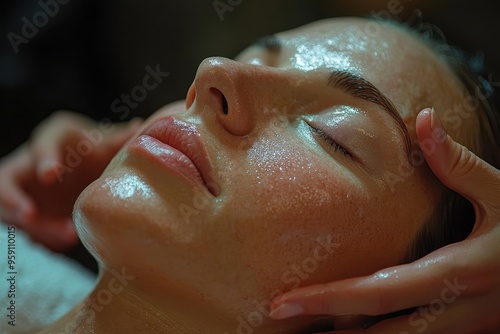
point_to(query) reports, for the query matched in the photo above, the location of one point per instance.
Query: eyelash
(336, 147)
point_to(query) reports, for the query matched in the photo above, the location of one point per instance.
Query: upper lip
(186, 138)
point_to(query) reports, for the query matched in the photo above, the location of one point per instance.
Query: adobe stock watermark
(292, 278)
(425, 315)
(139, 93)
(223, 6)
(103, 297)
(31, 27)
(453, 118)
(92, 138)
(407, 168)
(392, 11)
(74, 156)
(372, 28)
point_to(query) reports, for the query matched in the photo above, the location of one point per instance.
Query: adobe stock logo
(422, 317)
(104, 297)
(221, 7)
(139, 93)
(40, 19)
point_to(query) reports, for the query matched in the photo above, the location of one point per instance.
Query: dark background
(92, 51)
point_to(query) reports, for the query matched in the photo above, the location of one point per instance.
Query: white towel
(47, 285)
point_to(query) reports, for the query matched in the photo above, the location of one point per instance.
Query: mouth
(178, 145)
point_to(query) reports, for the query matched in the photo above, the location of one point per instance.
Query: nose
(238, 93)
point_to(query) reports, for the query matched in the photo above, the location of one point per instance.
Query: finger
(47, 141)
(437, 318)
(377, 294)
(406, 325)
(429, 320)
(55, 234)
(16, 206)
(456, 166)
(345, 332)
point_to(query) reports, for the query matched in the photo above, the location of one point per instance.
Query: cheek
(293, 209)
(277, 178)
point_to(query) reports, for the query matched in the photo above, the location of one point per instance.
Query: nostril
(225, 107)
(191, 95)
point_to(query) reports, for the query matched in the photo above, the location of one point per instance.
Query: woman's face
(306, 176)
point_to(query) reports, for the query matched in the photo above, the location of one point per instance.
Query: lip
(177, 145)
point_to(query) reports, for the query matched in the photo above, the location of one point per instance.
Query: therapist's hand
(41, 179)
(457, 287)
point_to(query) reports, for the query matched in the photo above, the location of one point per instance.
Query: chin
(130, 217)
(130, 207)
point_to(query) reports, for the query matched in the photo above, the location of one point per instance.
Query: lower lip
(169, 158)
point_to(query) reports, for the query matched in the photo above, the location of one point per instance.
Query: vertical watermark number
(11, 276)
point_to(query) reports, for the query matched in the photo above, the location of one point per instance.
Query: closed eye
(335, 146)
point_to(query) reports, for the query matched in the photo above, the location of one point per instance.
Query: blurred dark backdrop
(90, 52)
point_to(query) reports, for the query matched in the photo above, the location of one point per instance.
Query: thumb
(455, 165)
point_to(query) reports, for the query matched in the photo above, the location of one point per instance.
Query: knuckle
(60, 125)
(62, 118)
(61, 115)
(57, 117)
(463, 162)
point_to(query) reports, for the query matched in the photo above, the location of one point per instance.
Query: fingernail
(426, 111)
(287, 311)
(439, 134)
(435, 121)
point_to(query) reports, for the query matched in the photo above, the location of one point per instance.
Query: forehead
(397, 63)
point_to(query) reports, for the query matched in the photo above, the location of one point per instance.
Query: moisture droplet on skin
(313, 57)
(127, 186)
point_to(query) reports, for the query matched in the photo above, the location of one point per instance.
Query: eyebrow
(351, 84)
(361, 88)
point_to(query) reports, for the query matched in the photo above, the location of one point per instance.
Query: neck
(116, 305)
(121, 304)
